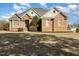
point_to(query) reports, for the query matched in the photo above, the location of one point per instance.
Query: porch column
(10, 24)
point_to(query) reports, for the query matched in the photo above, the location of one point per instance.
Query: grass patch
(36, 44)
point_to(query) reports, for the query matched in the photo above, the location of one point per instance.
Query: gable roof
(62, 13)
(38, 11)
(59, 11)
(55, 15)
(13, 16)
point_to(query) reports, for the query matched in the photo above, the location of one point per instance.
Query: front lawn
(19, 44)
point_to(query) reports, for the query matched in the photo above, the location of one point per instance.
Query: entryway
(27, 24)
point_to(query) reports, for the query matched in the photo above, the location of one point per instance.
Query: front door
(27, 24)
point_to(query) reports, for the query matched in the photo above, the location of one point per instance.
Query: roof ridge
(59, 11)
(37, 10)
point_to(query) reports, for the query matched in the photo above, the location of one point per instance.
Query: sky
(70, 10)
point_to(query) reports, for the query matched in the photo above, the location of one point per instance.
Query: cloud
(63, 9)
(44, 5)
(7, 16)
(73, 7)
(26, 4)
(60, 8)
(76, 13)
(18, 9)
(68, 9)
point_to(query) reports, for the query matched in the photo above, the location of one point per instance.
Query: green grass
(37, 44)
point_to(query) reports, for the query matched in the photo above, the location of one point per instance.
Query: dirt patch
(37, 45)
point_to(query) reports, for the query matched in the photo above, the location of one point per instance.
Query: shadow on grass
(38, 45)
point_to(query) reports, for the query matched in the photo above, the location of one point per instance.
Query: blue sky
(70, 10)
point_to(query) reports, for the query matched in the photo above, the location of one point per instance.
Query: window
(15, 23)
(54, 11)
(31, 12)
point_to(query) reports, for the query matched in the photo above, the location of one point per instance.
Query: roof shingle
(39, 11)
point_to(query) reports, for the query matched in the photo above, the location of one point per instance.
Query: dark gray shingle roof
(39, 11)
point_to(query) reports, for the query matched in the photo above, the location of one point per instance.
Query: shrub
(77, 30)
(34, 24)
(5, 27)
(69, 27)
(20, 29)
(33, 28)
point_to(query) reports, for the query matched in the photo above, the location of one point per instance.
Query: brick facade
(63, 22)
(21, 24)
(53, 25)
(46, 28)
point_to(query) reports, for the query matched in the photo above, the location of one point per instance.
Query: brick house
(51, 20)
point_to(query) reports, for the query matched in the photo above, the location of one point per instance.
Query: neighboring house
(49, 21)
